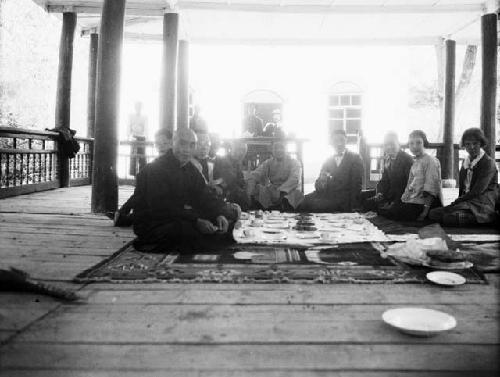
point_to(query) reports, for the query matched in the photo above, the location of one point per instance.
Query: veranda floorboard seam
(31, 323)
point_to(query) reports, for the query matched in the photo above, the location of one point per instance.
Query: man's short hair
(421, 134)
(164, 132)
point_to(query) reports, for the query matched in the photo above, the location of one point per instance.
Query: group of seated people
(185, 194)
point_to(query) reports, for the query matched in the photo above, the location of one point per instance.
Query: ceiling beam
(416, 41)
(157, 8)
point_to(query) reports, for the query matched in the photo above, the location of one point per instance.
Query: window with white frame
(344, 111)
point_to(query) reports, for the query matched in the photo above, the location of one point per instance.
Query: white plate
(419, 321)
(446, 278)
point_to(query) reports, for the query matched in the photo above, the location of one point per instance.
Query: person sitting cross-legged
(229, 170)
(396, 169)
(478, 186)
(124, 216)
(275, 184)
(423, 189)
(174, 204)
(338, 187)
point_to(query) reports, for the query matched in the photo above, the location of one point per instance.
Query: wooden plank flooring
(220, 330)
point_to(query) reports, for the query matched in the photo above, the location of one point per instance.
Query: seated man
(397, 165)
(229, 170)
(276, 182)
(202, 160)
(173, 203)
(338, 187)
(163, 142)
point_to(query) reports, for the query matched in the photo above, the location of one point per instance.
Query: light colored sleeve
(258, 175)
(432, 177)
(293, 181)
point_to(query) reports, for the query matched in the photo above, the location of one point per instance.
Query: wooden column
(104, 179)
(183, 85)
(92, 80)
(63, 94)
(448, 115)
(169, 69)
(489, 41)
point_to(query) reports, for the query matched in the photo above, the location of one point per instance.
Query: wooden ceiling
(311, 22)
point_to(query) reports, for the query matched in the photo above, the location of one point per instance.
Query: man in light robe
(276, 183)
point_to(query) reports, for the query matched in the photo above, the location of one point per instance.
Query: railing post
(447, 158)
(63, 96)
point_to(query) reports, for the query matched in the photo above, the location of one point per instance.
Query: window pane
(345, 100)
(353, 126)
(334, 100)
(353, 113)
(337, 113)
(356, 100)
(336, 124)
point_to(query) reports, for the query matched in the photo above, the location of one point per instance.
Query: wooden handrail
(30, 161)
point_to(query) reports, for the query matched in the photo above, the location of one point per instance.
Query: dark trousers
(317, 203)
(176, 235)
(405, 211)
(450, 216)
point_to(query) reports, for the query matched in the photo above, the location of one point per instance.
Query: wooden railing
(29, 161)
(373, 158)
(129, 161)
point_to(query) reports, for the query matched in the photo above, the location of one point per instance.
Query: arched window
(344, 109)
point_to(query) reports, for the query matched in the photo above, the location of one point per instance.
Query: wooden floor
(213, 330)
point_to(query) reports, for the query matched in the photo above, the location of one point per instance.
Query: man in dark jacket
(338, 187)
(397, 165)
(173, 202)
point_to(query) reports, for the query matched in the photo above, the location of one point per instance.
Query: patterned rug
(236, 263)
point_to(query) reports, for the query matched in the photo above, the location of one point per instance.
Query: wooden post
(183, 85)
(169, 68)
(104, 179)
(489, 79)
(449, 116)
(63, 94)
(92, 80)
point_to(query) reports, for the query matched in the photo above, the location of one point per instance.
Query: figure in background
(274, 128)
(478, 186)
(215, 144)
(230, 170)
(124, 216)
(173, 203)
(202, 160)
(338, 187)
(197, 123)
(252, 124)
(423, 189)
(276, 183)
(396, 169)
(137, 131)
